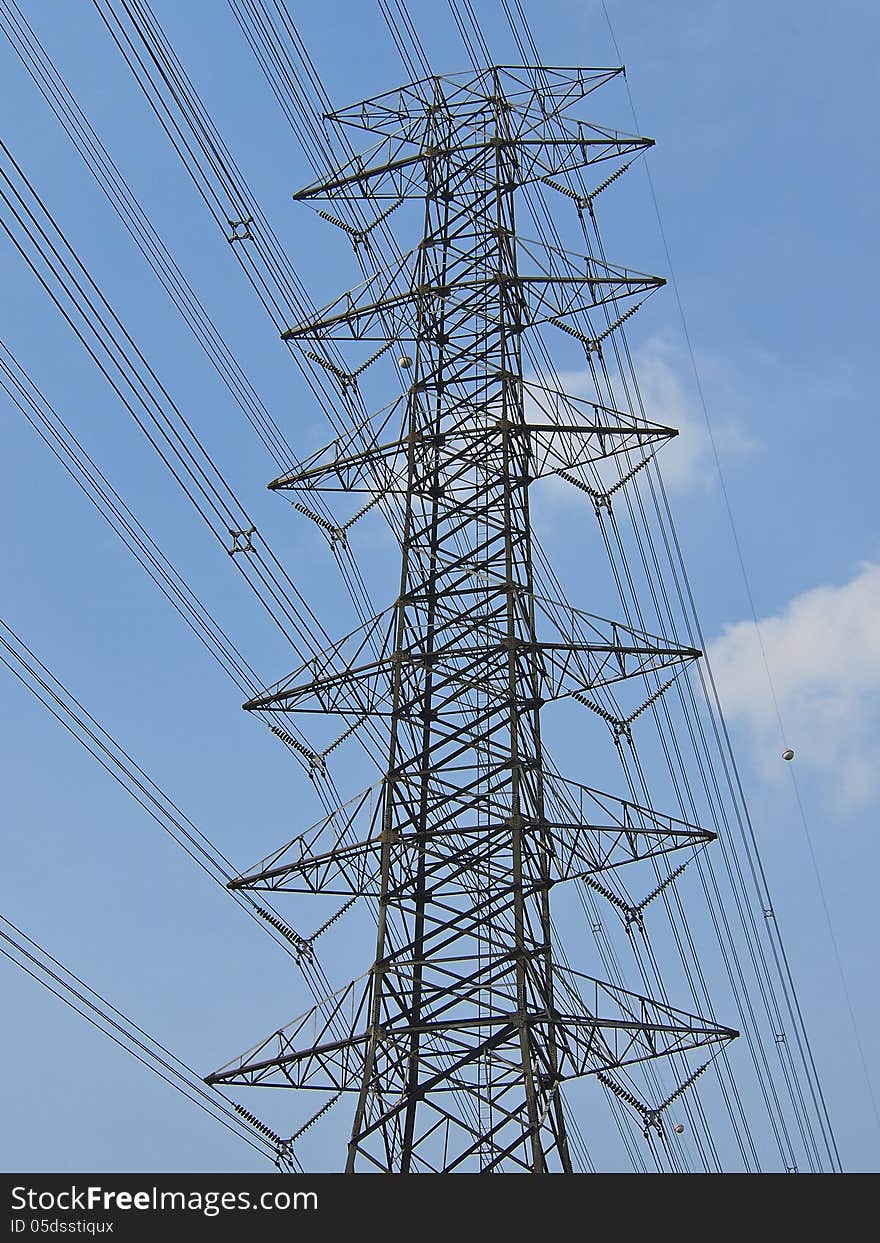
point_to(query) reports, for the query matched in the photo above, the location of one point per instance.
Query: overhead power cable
(89, 478)
(311, 968)
(583, 195)
(116, 761)
(736, 792)
(41, 966)
(162, 55)
(47, 253)
(108, 176)
(753, 610)
(275, 45)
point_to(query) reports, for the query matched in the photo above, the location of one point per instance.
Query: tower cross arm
(539, 156)
(634, 1029)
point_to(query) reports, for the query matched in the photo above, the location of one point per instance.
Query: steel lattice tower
(455, 1044)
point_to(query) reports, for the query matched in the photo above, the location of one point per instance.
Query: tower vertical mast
(466, 582)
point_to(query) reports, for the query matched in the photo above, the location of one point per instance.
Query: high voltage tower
(472, 875)
(456, 1045)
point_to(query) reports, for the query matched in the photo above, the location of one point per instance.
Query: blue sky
(763, 116)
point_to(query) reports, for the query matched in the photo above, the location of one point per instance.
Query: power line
(41, 966)
(278, 92)
(583, 197)
(116, 761)
(753, 610)
(270, 271)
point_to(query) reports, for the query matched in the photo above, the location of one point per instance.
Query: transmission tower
(455, 1044)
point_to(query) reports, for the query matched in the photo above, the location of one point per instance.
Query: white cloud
(687, 463)
(823, 651)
